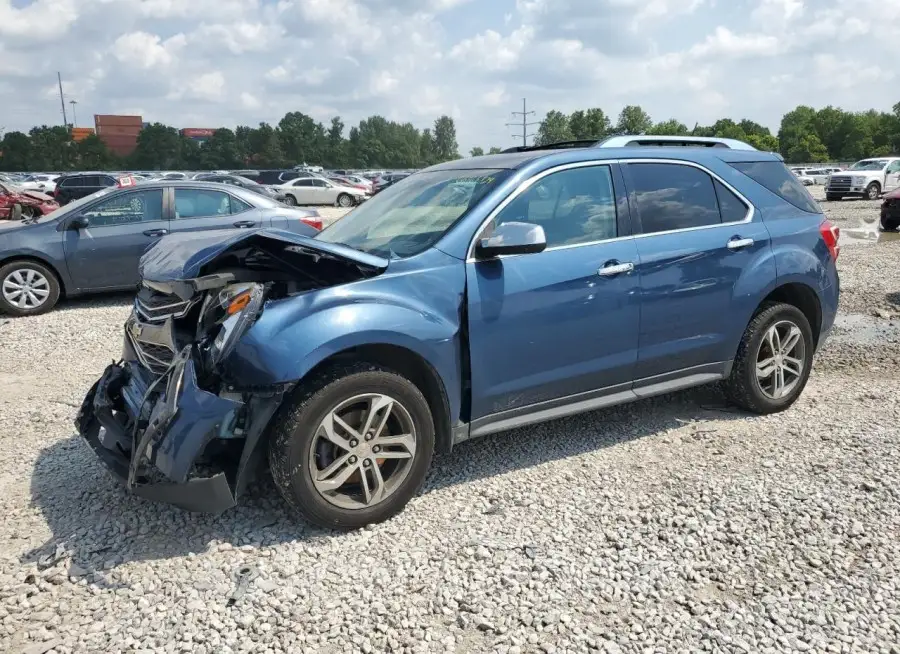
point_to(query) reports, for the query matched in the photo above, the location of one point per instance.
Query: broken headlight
(229, 314)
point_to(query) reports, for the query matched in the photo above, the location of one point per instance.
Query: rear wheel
(27, 288)
(290, 200)
(353, 446)
(873, 190)
(773, 361)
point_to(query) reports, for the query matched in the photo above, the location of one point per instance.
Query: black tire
(742, 387)
(889, 225)
(345, 200)
(833, 197)
(290, 200)
(52, 286)
(873, 191)
(294, 430)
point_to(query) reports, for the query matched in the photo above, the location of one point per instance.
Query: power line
(524, 124)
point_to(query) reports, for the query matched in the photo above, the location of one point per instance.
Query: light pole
(74, 120)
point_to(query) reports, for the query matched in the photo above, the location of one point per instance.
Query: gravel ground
(671, 525)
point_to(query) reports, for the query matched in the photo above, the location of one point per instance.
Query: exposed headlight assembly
(229, 315)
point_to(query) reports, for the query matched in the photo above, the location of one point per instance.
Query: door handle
(156, 232)
(614, 268)
(244, 223)
(739, 243)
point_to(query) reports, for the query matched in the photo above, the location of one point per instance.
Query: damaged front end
(166, 419)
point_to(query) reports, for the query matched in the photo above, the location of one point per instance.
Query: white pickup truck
(868, 178)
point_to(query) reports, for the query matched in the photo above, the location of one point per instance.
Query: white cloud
(228, 62)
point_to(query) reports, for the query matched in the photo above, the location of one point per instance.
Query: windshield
(411, 215)
(869, 164)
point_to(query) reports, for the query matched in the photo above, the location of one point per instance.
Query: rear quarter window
(777, 178)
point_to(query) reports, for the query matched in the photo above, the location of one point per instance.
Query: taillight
(831, 234)
(314, 222)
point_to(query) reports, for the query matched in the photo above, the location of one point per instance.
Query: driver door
(121, 227)
(560, 326)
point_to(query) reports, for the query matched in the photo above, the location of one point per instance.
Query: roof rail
(656, 141)
(583, 143)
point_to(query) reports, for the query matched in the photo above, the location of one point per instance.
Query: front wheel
(353, 446)
(832, 197)
(27, 288)
(345, 200)
(889, 224)
(773, 361)
(873, 190)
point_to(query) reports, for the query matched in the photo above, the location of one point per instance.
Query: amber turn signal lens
(239, 303)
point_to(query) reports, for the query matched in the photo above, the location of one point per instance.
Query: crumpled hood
(188, 255)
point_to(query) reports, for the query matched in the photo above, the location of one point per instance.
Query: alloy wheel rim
(344, 201)
(781, 360)
(362, 451)
(26, 288)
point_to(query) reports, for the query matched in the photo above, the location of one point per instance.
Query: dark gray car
(94, 244)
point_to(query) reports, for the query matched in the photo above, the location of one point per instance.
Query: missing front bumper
(154, 452)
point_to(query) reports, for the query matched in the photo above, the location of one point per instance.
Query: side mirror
(79, 222)
(512, 238)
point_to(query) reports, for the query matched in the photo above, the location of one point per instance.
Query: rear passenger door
(199, 209)
(696, 237)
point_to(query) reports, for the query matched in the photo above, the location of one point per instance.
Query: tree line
(806, 135)
(297, 138)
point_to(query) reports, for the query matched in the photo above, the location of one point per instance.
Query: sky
(220, 63)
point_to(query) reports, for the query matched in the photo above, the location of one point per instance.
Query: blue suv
(473, 297)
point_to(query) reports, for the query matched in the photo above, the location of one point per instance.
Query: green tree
(92, 154)
(265, 146)
(220, 151)
(808, 150)
(495, 150)
(476, 152)
(15, 152)
(445, 146)
(634, 120)
(796, 125)
(670, 127)
(158, 147)
(336, 155)
(553, 129)
(764, 142)
(590, 124)
(51, 148)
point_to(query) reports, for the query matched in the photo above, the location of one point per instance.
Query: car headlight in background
(231, 312)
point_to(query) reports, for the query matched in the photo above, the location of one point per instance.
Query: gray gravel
(671, 525)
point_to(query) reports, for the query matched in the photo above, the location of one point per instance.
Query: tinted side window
(88, 180)
(573, 206)
(126, 208)
(67, 182)
(778, 179)
(303, 182)
(731, 206)
(673, 196)
(197, 203)
(106, 181)
(238, 205)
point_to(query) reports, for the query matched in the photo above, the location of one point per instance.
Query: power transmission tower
(524, 124)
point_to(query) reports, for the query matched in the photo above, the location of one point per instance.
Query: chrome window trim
(751, 212)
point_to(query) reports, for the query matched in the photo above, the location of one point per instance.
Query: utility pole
(62, 101)
(524, 124)
(74, 119)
